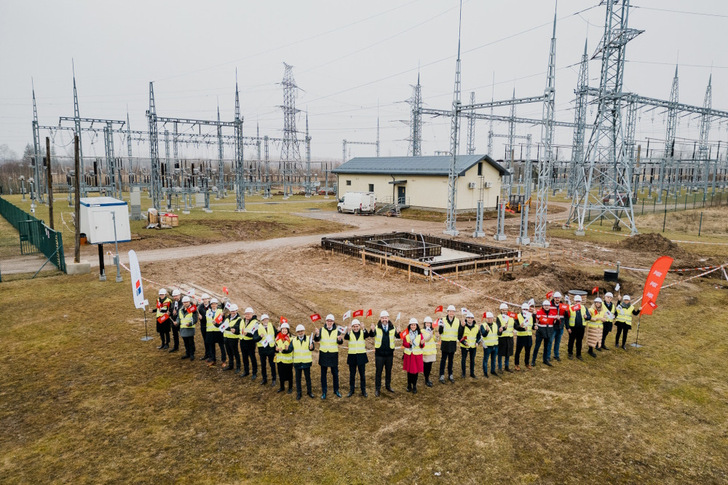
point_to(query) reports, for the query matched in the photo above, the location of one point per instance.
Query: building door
(401, 199)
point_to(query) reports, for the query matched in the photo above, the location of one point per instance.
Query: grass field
(83, 400)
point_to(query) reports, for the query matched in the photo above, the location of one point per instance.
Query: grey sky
(352, 59)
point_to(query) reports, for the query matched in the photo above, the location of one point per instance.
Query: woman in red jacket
(413, 342)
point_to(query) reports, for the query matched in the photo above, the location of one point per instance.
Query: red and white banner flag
(218, 319)
(225, 290)
(358, 313)
(655, 278)
(285, 320)
(549, 295)
(438, 309)
(315, 317)
(369, 313)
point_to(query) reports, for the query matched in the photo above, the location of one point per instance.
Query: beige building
(421, 182)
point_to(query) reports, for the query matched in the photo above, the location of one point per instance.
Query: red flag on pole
(655, 278)
(284, 320)
(315, 317)
(218, 319)
(595, 290)
(549, 295)
(369, 313)
(192, 309)
(358, 313)
(438, 309)
(484, 314)
(225, 290)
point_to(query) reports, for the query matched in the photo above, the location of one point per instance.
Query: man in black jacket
(174, 314)
(384, 336)
(202, 320)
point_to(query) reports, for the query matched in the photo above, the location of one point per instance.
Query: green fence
(34, 234)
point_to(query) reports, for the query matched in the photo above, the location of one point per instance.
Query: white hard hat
(557, 294)
(546, 303)
(489, 315)
(597, 300)
(185, 299)
(469, 315)
(451, 308)
(300, 328)
(503, 306)
(383, 313)
(162, 291)
(608, 294)
(264, 317)
(248, 310)
(330, 317)
(427, 320)
(355, 322)
(525, 306)
(626, 297)
(205, 296)
(233, 307)
(413, 320)
(214, 300)
(285, 325)
(577, 298)
(175, 292)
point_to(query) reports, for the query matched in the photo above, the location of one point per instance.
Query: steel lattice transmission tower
(155, 182)
(670, 132)
(577, 151)
(290, 152)
(452, 178)
(37, 172)
(415, 140)
(703, 149)
(239, 161)
(606, 158)
(546, 159)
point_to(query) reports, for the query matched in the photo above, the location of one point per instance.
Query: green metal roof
(426, 165)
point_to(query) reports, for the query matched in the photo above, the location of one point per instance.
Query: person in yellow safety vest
(469, 338)
(578, 317)
(448, 342)
(429, 354)
(357, 357)
(595, 325)
(609, 321)
(523, 325)
(202, 320)
(232, 325)
(302, 347)
(412, 344)
(214, 318)
(163, 318)
(187, 321)
(248, 339)
(489, 338)
(625, 312)
(266, 349)
(505, 341)
(330, 339)
(384, 336)
(284, 357)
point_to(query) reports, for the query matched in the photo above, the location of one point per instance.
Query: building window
(348, 182)
(480, 169)
(371, 187)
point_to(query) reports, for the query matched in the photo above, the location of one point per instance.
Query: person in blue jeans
(489, 334)
(562, 310)
(544, 332)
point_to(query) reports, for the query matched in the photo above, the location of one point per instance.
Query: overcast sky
(354, 60)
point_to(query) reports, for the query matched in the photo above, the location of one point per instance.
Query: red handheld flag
(438, 309)
(358, 313)
(283, 320)
(655, 278)
(484, 314)
(595, 290)
(225, 290)
(159, 304)
(369, 313)
(192, 309)
(549, 295)
(218, 319)
(315, 317)
(511, 314)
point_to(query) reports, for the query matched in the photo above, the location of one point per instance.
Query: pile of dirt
(560, 277)
(653, 243)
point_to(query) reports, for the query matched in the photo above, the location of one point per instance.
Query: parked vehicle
(357, 203)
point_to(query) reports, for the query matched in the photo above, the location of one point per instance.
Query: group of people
(234, 334)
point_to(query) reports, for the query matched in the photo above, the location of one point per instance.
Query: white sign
(137, 288)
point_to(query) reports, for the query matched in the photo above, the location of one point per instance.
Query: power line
(684, 12)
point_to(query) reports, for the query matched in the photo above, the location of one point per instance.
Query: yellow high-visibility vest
(624, 315)
(281, 345)
(597, 318)
(301, 352)
(328, 343)
(264, 331)
(491, 340)
(231, 323)
(186, 320)
(210, 317)
(415, 348)
(380, 333)
(450, 332)
(527, 323)
(507, 322)
(572, 315)
(248, 328)
(472, 335)
(357, 345)
(430, 345)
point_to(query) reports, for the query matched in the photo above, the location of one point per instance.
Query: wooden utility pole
(50, 182)
(77, 200)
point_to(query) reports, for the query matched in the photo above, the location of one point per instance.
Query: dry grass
(83, 400)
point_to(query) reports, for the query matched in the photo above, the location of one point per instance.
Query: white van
(358, 203)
